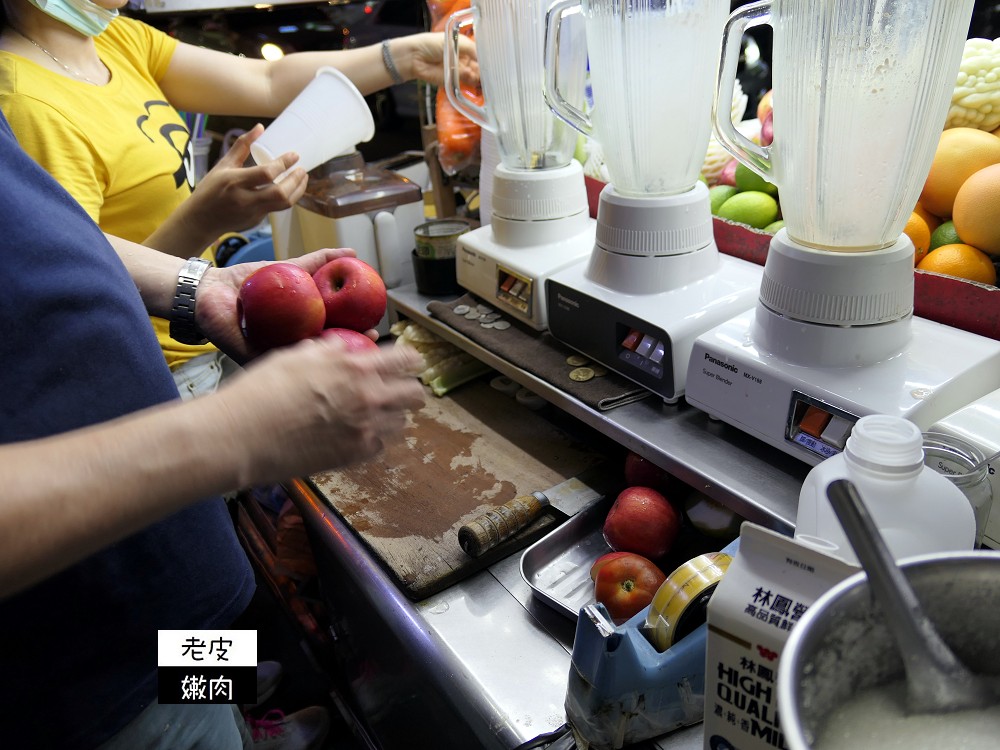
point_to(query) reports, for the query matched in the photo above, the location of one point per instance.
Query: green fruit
(750, 207)
(945, 234)
(773, 227)
(719, 194)
(746, 179)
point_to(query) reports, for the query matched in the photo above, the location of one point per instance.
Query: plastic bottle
(917, 510)
(954, 459)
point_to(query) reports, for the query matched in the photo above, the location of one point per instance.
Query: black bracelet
(390, 65)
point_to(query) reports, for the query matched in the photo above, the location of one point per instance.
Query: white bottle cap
(880, 442)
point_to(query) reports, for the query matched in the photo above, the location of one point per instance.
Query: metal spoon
(936, 681)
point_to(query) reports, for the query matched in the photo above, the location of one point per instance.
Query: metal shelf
(746, 475)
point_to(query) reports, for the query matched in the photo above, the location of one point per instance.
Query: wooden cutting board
(460, 455)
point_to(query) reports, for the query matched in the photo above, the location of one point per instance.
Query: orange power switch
(814, 421)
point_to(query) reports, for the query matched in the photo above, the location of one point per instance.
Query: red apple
(765, 105)
(279, 305)
(728, 174)
(767, 129)
(640, 472)
(353, 292)
(355, 340)
(643, 521)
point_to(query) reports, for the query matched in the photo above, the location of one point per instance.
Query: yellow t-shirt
(121, 150)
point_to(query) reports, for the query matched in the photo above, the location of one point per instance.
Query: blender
(861, 90)
(540, 218)
(654, 279)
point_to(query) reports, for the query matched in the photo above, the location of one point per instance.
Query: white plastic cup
(328, 118)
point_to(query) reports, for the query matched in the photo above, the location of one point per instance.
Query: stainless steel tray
(557, 566)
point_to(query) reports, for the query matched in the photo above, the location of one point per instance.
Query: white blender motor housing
(655, 279)
(540, 217)
(833, 337)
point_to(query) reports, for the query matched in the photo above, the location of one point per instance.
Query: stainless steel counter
(484, 664)
(756, 480)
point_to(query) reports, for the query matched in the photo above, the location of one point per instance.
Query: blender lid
(346, 186)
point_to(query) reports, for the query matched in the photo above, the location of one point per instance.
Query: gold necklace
(57, 61)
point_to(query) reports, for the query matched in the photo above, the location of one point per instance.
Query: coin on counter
(461, 309)
(502, 325)
(581, 374)
(599, 372)
(575, 360)
(486, 324)
(484, 309)
(471, 315)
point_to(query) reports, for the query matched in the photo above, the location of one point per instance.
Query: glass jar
(954, 458)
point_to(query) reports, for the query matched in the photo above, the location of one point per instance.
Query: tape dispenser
(645, 677)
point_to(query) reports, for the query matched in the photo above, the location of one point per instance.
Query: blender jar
(861, 91)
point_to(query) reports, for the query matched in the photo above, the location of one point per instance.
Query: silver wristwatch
(182, 325)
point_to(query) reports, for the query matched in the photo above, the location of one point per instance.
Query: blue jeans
(201, 375)
(184, 727)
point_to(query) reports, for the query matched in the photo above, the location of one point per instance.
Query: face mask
(81, 15)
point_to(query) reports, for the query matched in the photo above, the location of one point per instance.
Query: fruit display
(736, 192)
(280, 303)
(959, 207)
(975, 102)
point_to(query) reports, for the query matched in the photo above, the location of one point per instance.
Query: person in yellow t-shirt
(94, 98)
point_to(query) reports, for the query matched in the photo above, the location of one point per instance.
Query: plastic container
(916, 509)
(954, 459)
(328, 118)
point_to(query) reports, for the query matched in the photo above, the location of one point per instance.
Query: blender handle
(565, 111)
(753, 156)
(452, 84)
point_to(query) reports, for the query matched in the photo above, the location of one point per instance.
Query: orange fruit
(933, 222)
(961, 152)
(977, 210)
(916, 229)
(963, 261)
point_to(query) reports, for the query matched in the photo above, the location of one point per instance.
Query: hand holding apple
(278, 305)
(353, 292)
(643, 521)
(354, 340)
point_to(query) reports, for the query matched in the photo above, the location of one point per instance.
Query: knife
(570, 496)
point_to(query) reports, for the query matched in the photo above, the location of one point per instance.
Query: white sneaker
(268, 677)
(303, 730)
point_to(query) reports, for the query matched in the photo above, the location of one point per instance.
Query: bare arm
(296, 411)
(203, 80)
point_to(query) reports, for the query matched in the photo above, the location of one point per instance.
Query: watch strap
(182, 326)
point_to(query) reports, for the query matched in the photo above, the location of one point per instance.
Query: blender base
(513, 278)
(647, 338)
(808, 411)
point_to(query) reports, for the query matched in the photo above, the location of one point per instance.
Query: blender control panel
(514, 290)
(641, 350)
(621, 341)
(817, 426)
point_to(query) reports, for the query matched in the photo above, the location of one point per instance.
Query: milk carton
(769, 585)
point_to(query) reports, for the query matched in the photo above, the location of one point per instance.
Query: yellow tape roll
(679, 604)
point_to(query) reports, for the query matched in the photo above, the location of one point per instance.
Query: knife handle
(499, 524)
